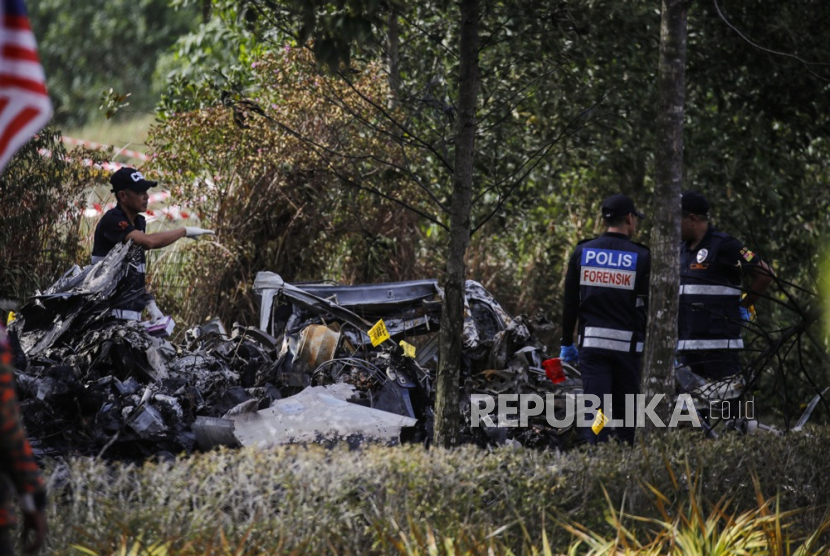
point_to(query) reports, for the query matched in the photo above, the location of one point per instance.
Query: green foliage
(43, 202)
(130, 134)
(695, 527)
(824, 285)
(337, 27)
(214, 56)
(90, 46)
(404, 500)
(129, 547)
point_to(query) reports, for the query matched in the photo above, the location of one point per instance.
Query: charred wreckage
(326, 363)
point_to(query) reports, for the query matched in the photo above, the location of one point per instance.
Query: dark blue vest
(710, 295)
(613, 278)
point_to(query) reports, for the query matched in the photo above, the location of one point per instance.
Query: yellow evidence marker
(378, 333)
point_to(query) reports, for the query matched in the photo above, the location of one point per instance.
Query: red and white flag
(24, 103)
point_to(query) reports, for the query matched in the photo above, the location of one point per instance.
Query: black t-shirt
(111, 230)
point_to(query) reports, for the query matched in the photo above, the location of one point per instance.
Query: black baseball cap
(619, 205)
(130, 178)
(694, 202)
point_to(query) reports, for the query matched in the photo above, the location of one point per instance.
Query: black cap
(619, 205)
(130, 178)
(694, 202)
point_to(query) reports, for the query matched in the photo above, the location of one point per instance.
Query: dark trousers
(712, 364)
(610, 372)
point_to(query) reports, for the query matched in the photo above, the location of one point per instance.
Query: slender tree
(447, 414)
(206, 10)
(661, 336)
(393, 59)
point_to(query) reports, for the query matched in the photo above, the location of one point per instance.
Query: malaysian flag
(24, 102)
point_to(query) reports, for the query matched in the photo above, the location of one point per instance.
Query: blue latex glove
(569, 354)
(745, 314)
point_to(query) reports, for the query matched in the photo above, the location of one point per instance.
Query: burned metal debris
(310, 372)
(501, 355)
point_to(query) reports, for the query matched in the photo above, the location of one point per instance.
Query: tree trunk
(661, 336)
(447, 409)
(393, 59)
(206, 10)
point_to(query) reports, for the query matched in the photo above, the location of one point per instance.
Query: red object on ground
(553, 370)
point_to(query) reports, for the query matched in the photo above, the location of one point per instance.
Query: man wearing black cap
(712, 265)
(606, 290)
(124, 223)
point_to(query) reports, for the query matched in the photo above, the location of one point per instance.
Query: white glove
(155, 312)
(190, 231)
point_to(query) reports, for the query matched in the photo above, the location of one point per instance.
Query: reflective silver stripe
(697, 289)
(141, 268)
(126, 315)
(602, 343)
(710, 344)
(612, 333)
(639, 347)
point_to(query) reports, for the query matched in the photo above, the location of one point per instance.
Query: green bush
(378, 500)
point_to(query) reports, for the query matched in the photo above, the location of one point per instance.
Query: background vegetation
(273, 204)
(305, 170)
(304, 174)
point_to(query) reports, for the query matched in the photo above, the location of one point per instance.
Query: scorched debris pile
(310, 372)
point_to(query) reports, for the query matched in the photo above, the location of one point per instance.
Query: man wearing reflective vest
(124, 223)
(712, 265)
(606, 291)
